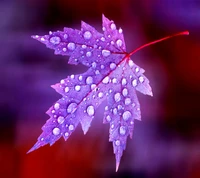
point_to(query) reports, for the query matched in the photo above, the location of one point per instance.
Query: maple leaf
(111, 76)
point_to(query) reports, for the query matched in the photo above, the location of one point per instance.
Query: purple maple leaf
(111, 76)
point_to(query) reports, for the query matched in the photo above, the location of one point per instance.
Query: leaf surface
(111, 76)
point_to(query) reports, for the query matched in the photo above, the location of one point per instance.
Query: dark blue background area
(165, 144)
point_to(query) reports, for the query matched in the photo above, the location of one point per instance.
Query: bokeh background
(165, 144)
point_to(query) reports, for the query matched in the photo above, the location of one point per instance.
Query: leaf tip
(117, 166)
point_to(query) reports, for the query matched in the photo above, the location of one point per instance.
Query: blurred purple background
(165, 144)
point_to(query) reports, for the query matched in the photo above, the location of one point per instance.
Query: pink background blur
(166, 144)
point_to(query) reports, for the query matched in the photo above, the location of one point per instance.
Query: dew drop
(102, 66)
(56, 106)
(113, 26)
(115, 111)
(56, 131)
(125, 92)
(119, 107)
(108, 118)
(94, 64)
(66, 89)
(62, 81)
(105, 53)
(71, 108)
(117, 142)
(100, 95)
(130, 63)
(83, 46)
(55, 40)
(127, 101)
(112, 66)
(93, 86)
(89, 80)
(87, 35)
(126, 115)
(137, 69)
(97, 72)
(117, 97)
(64, 49)
(105, 80)
(80, 77)
(106, 108)
(77, 87)
(65, 36)
(60, 119)
(120, 30)
(122, 130)
(90, 110)
(103, 39)
(119, 43)
(124, 81)
(141, 79)
(114, 80)
(66, 134)
(71, 127)
(134, 82)
(71, 46)
(88, 54)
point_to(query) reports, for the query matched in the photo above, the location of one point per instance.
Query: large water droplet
(90, 110)
(105, 53)
(87, 35)
(126, 115)
(89, 80)
(72, 108)
(55, 40)
(56, 131)
(71, 46)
